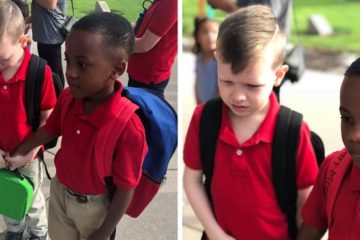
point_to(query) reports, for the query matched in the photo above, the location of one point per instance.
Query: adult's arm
(228, 6)
(163, 20)
(146, 42)
(48, 4)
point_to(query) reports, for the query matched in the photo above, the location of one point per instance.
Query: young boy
(334, 201)
(14, 127)
(96, 50)
(25, 10)
(250, 52)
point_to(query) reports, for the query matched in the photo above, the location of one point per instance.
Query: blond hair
(11, 20)
(245, 35)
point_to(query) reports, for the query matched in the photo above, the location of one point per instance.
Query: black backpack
(33, 87)
(284, 150)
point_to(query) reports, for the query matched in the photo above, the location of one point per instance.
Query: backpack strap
(108, 135)
(105, 142)
(210, 122)
(33, 87)
(284, 149)
(334, 178)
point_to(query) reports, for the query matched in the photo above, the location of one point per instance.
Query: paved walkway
(159, 219)
(316, 95)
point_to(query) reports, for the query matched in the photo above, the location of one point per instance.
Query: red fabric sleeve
(164, 18)
(130, 152)
(192, 156)
(53, 125)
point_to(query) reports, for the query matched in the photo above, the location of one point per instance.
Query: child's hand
(97, 235)
(18, 161)
(3, 162)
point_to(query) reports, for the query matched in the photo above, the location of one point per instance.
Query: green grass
(343, 15)
(128, 8)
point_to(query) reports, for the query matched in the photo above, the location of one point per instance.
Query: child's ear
(280, 74)
(23, 40)
(118, 69)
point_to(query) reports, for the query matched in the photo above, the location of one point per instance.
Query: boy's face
(91, 68)
(350, 116)
(10, 52)
(248, 91)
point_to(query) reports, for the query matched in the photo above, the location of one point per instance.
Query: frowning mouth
(240, 107)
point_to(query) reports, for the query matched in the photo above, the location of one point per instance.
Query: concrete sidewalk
(159, 219)
(316, 96)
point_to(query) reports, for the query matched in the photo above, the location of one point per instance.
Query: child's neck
(91, 103)
(9, 72)
(245, 127)
(207, 55)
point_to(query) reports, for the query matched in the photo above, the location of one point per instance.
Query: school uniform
(244, 200)
(15, 129)
(154, 66)
(76, 171)
(344, 221)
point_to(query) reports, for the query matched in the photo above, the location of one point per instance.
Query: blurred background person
(205, 34)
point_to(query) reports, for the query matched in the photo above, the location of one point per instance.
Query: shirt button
(5, 87)
(78, 131)
(239, 152)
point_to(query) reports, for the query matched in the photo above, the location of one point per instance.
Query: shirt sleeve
(314, 210)
(53, 126)
(307, 168)
(48, 99)
(164, 18)
(192, 156)
(130, 152)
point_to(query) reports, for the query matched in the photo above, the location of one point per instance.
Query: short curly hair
(115, 29)
(353, 69)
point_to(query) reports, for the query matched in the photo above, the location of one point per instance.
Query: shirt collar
(265, 131)
(355, 178)
(21, 73)
(104, 112)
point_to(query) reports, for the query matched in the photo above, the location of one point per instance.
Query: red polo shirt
(14, 127)
(74, 161)
(154, 66)
(242, 190)
(346, 212)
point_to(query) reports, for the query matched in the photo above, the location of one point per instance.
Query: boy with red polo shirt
(250, 53)
(14, 127)
(155, 47)
(96, 50)
(334, 202)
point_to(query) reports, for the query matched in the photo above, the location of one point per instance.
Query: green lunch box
(16, 193)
